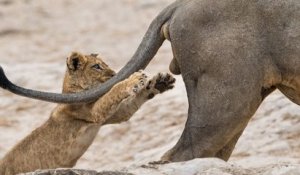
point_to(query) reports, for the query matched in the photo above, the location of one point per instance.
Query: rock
(74, 172)
(207, 166)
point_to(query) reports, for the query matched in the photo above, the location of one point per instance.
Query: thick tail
(149, 46)
(8, 85)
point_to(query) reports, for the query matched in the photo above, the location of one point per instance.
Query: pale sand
(37, 36)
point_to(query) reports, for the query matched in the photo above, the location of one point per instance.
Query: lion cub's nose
(113, 74)
(110, 73)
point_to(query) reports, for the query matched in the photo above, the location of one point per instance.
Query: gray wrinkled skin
(231, 54)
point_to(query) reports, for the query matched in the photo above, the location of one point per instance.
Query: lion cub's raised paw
(137, 82)
(161, 82)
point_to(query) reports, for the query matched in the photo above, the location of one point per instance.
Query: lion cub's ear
(76, 61)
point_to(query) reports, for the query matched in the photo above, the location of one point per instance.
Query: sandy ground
(37, 36)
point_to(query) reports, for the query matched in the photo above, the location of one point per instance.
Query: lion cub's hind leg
(156, 85)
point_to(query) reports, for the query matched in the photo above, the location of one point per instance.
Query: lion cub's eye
(97, 66)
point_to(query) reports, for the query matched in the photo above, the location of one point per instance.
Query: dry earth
(37, 36)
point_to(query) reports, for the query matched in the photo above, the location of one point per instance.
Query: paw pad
(164, 81)
(138, 81)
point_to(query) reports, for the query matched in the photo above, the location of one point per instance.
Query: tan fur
(231, 54)
(71, 129)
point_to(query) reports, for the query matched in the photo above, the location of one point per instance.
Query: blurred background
(37, 36)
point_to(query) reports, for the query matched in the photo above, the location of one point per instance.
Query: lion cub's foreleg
(107, 105)
(156, 85)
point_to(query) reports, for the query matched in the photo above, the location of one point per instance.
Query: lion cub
(71, 128)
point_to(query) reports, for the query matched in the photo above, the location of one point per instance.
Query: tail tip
(3, 79)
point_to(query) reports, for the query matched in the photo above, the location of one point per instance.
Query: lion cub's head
(84, 72)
